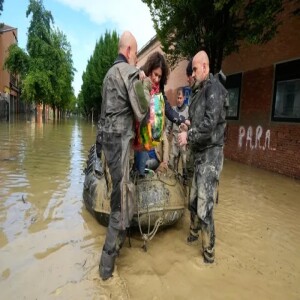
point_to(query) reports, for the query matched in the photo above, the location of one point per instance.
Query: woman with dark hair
(157, 70)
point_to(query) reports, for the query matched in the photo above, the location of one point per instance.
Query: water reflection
(50, 244)
(41, 166)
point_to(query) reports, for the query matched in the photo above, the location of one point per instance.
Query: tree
(17, 61)
(1, 9)
(46, 68)
(186, 26)
(104, 54)
(39, 29)
(1, 6)
(61, 71)
(37, 84)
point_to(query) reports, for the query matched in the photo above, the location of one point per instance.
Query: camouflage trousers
(207, 168)
(177, 152)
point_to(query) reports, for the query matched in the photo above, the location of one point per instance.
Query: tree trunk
(44, 112)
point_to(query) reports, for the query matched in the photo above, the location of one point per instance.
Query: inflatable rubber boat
(160, 198)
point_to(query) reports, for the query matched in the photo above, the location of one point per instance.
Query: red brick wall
(272, 147)
(176, 79)
(255, 139)
(257, 63)
(6, 39)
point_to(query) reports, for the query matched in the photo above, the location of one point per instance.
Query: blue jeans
(143, 161)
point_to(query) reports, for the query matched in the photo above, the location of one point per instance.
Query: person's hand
(182, 138)
(187, 122)
(142, 75)
(147, 83)
(165, 164)
(183, 127)
(162, 168)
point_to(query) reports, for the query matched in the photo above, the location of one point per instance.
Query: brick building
(8, 82)
(264, 86)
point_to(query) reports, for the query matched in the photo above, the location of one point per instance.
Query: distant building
(8, 82)
(264, 86)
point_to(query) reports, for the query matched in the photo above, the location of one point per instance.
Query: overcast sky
(83, 22)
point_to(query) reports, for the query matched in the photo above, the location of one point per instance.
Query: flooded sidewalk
(50, 245)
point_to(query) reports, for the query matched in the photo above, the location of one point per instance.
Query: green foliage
(60, 68)
(36, 87)
(80, 104)
(1, 9)
(17, 61)
(260, 23)
(1, 6)
(105, 52)
(39, 30)
(47, 68)
(185, 27)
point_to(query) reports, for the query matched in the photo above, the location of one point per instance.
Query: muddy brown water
(50, 244)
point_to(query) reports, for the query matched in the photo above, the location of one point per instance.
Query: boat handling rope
(150, 235)
(146, 237)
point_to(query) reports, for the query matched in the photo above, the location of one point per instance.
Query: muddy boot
(194, 227)
(193, 236)
(109, 252)
(209, 255)
(208, 243)
(107, 265)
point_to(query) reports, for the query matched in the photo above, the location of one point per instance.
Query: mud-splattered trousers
(207, 112)
(207, 169)
(177, 152)
(116, 148)
(125, 98)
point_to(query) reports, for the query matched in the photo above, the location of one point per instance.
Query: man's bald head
(128, 47)
(200, 66)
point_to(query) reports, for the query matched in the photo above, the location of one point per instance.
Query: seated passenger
(155, 159)
(157, 70)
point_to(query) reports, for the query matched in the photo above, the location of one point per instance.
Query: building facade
(264, 88)
(9, 99)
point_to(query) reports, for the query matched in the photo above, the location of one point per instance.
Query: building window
(286, 99)
(233, 85)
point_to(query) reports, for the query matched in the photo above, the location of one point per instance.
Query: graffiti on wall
(254, 139)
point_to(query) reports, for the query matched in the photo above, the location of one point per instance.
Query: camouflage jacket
(207, 112)
(173, 127)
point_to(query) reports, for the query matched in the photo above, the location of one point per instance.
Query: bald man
(124, 99)
(207, 112)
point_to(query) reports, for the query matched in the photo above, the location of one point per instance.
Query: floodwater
(50, 244)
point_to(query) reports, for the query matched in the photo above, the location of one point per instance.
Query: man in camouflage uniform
(177, 151)
(125, 99)
(189, 156)
(207, 112)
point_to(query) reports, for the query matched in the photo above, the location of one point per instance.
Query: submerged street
(50, 245)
